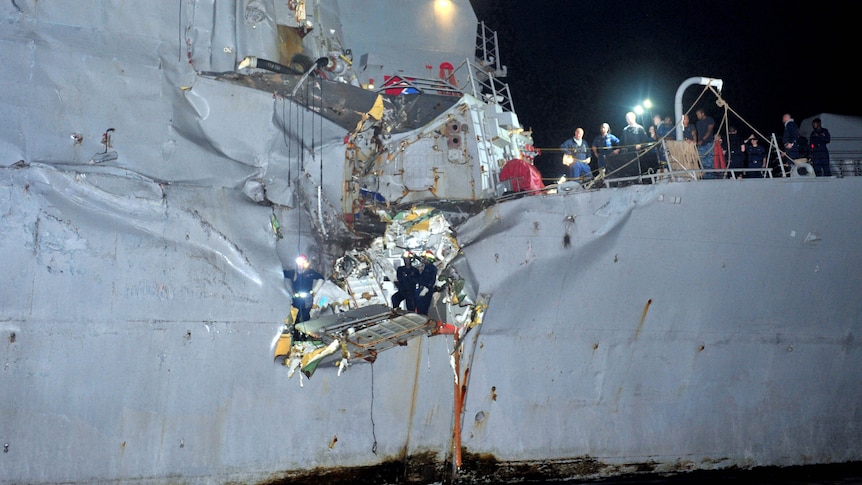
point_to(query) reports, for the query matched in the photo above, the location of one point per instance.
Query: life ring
(447, 73)
(802, 163)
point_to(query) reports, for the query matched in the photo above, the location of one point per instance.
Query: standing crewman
(819, 152)
(407, 282)
(427, 281)
(302, 281)
(790, 139)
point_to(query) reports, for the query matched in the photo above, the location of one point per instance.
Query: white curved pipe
(705, 81)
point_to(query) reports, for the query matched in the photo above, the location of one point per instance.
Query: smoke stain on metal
(567, 240)
(486, 468)
(424, 468)
(420, 468)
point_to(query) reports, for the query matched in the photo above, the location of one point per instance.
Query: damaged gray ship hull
(736, 347)
(150, 206)
(633, 347)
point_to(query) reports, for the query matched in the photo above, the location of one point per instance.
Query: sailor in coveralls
(819, 153)
(407, 282)
(756, 157)
(302, 281)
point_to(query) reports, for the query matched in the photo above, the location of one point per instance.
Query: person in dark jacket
(790, 139)
(427, 281)
(819, 153)
(302, 281)
(756, 156)
(604, 144)
(735, 150)
(407, 282)
(705, 128)
(634, 135)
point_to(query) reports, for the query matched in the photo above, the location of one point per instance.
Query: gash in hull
(167, 163)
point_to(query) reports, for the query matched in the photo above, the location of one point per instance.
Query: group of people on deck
(716, 152)
(721, 155)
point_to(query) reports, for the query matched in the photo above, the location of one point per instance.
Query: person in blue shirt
(819, 153)
(604, 144)
(576, 156)
(666, 129)
(689, 132)
(662, 129)
(302, 281)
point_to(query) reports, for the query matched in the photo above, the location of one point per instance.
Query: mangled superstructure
(438, 141)
(352, 318)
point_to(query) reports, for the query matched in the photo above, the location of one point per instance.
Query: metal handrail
(483, 84)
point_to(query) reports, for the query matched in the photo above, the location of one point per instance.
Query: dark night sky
(575, 63)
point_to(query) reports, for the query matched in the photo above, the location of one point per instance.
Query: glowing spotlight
(444, 10)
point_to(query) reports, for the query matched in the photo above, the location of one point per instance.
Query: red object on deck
(720, 162)
(523, 175)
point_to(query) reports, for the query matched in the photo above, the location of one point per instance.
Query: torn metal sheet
(353, 319)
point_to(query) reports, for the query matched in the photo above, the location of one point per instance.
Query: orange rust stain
(643, 317)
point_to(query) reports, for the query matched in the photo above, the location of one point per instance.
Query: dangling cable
(284, 137)
(373, 433)
(320, 119)
(313, 133)
(300, 131)
(302, 135)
